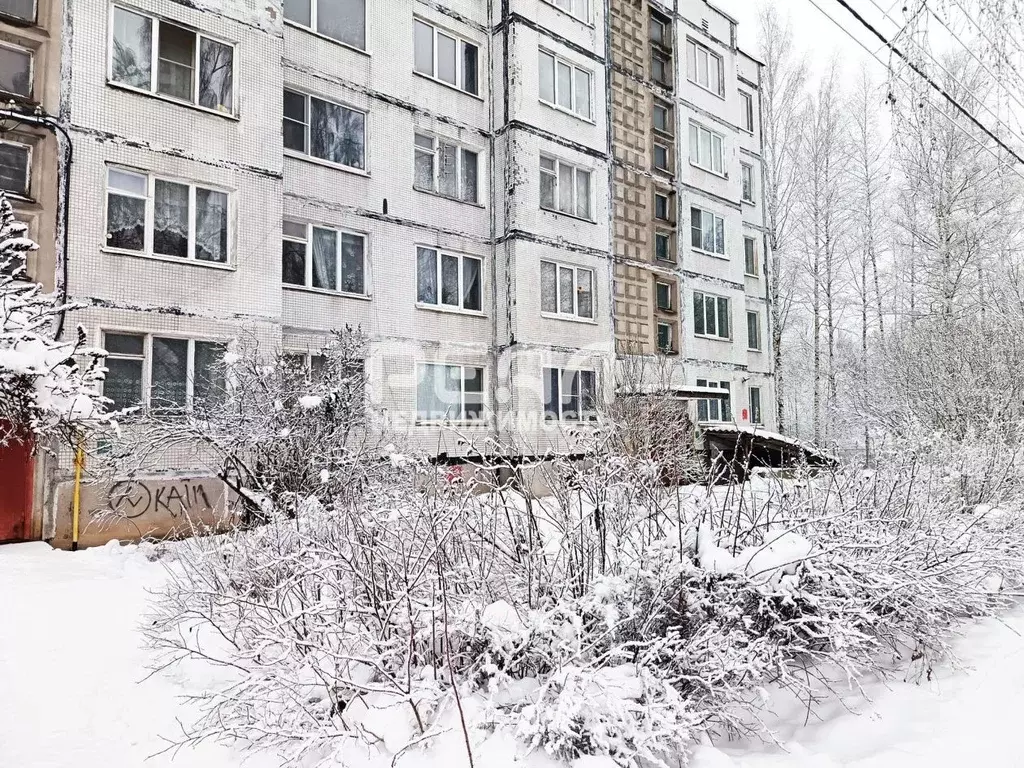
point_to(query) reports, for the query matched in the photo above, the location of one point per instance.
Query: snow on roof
(767, 434)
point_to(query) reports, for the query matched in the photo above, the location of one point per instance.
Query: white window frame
(671, 337)
(671, 308)
(755, 261)
(718, 322)
(575, 314)
(30, 54)
(575, 70)
(462, 418)
(31, 20)
(747, 100)
(747, 182)
(439, 253)
(757, 345)
(308, 242)
(669, 118)
(760, 405)
(313, 23)
(670, 236)
(583, 15)
(306, 153)
(576, 171)
(667, 168)
(460, 45)
(694, 51)
(150, 198)
(709, 164)
(154, 72)
(722, 406)
(27, 193)
(715, 218)
(669, 207)
(561, 417)
(460, 149)
(147, 361)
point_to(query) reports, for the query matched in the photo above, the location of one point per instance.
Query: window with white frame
(570, 395)
(23, 10)
(564, 188)
(662, 154)
(159, 57)
(715, 408)
(704, 67)
(663, 207)
(663, 296)
(707, 231)
(706, 149)
(747, 102)
(449, 280)
(445, 57)
(324, 258)
(747, 172)
(754, 395)
(710, 315)
(162, 372)
(166, 217)
(449, 393)
(664, 248)
(566, 290)
(750, 266)
(564, 85)
(324, 130)
(445, 168)
(666, 337)
(15, 71)
(663, 120)
(341, 20)
(753, 330)
(578, 8)
(15, 168)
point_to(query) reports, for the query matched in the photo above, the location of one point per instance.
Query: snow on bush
(44, 391)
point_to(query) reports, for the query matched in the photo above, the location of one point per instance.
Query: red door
(15, 491)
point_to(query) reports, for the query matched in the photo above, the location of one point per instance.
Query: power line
(924, 76)
(942, 114)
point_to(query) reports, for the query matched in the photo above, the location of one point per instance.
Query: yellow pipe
(76, 499)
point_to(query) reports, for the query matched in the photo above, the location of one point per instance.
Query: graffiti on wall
(133, 499)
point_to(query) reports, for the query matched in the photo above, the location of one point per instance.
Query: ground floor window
(714, 408)
(755, 406)
(449, 393)
(570, 395)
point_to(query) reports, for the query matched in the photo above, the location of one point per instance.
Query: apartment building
(688, 220)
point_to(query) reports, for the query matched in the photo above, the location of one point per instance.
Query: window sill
(666, 310)
(751, 274)
(713, 172)
(562, 421)
(568, 112)
(746, 201)
(16, 197)
(754, 349)
(671, 262)
(712, 254)
(171, 100)
(170, 259)
(451, 422)
(449, 310)
(569, 318)
(706, 89)
(568, 215)
(571, 16)
(446, 197)
(314, 33)
(325, 163)
(17, 21)
(712, 338)
(449, 86)
(326, 292)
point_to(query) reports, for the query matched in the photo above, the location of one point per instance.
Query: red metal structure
(16, 472)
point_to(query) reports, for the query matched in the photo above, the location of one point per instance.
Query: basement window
(323, 258)
(162, 58)
(340, 20)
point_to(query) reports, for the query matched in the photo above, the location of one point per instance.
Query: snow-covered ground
(74, 691)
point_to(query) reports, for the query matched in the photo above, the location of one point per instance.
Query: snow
(310, 402)
(76, 692)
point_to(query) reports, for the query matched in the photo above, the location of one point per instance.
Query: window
(754, 394)
(707, 231)
(663, 295)
(24, 10)
(750, 256)
(566, 290)
(161, 217)
(663, 207)
(664, 250)
(710, 315)
(666, 337)
(445, 169)
(564, 188)
(577, 8)
(564, 85)
(706, 149)
(661, 30)
(341, 20)
(324, 130)
(335, 262)
(188, 66)
(662, 157)
(445, 57)
(448, 280)
(753, 331)
(704, 68)
(162, 372)
(747, 102)
(570, 395)
(15, 165)
(661, 69)
(748, 182)
(714, 408)
(663, 121)
(449, 393)
(15, 71)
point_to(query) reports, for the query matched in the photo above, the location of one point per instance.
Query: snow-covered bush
(45, 392)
